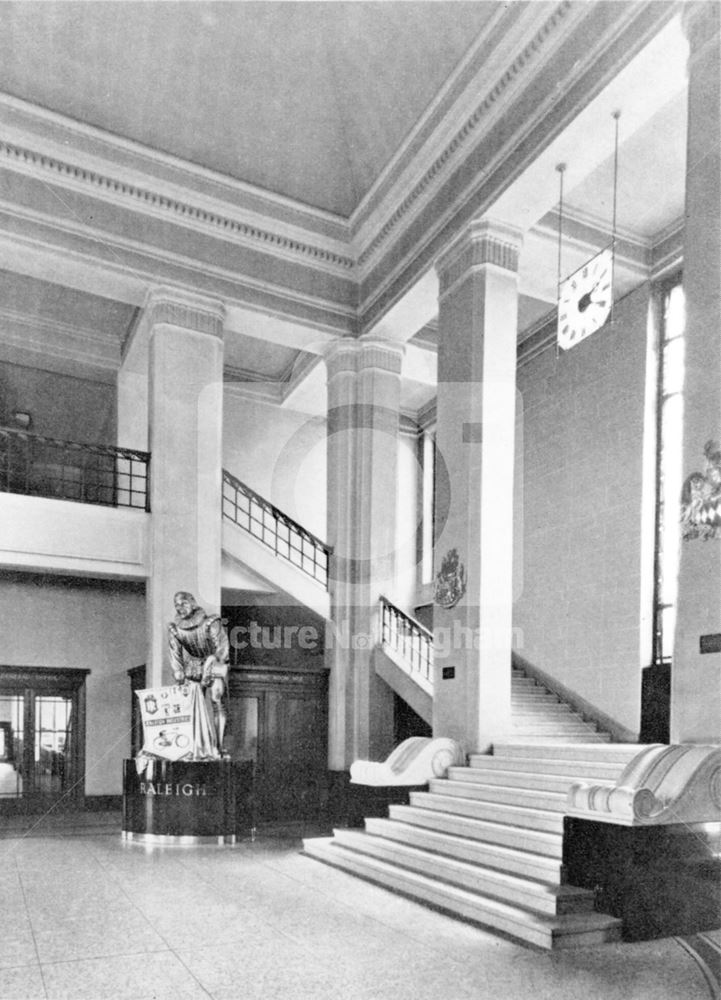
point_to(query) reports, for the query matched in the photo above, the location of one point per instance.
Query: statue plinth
(181, 802)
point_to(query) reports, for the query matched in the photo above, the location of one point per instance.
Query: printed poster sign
(167, 714)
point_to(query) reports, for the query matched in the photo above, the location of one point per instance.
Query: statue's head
(185, 604)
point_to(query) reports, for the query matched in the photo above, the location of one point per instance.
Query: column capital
(360, 355)
(484, 241)
(175, 307)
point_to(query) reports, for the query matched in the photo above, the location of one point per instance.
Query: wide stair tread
(499, 812)
(522, 779)
(551, 800)
(518, 890)
(546, 842)
(519, 861)
(578, 770)
(544, 930)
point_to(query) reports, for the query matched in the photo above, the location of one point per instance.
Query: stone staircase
(485, 843)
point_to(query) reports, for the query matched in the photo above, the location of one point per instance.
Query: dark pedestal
(349, 804)
(660, 880)
(179, 802)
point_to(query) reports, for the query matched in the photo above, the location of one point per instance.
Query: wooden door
(279, 722)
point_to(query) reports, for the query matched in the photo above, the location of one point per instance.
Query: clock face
(584, 300)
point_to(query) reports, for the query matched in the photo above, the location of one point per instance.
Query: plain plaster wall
(64, 622)
(72, 408)
(577, 606)
(280, 453)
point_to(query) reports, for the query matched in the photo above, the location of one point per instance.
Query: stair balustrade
(411, 641)
(288, 539)
(35, 465)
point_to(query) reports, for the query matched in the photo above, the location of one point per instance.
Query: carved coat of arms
(701, 497)
(450, 580)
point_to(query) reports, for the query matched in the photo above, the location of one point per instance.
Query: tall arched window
(668, 468)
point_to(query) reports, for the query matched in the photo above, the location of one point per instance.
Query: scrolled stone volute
(661, 785)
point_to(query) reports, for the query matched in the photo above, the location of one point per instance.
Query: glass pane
(673, 358)
(675, 318)
(52, 737)
(12, 710)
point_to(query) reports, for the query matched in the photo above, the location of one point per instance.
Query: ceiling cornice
(145, 265)
(153, 198)
(498, 158)
(42, 335)
(497, 66)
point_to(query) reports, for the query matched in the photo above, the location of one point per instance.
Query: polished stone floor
(87, 917)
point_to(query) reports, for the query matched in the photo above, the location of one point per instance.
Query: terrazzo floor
(86, 916)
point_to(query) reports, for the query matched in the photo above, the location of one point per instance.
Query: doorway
(278, 726)
(42, 739)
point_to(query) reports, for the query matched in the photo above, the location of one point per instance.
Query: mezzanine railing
(35, 465)
(288, 539)
(410, 640)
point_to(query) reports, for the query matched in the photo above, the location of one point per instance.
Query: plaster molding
(173, 307)
(341, 358)
(274, 299)
(536, 38)
(383, 355)
(483, 242)
(263, 391)
(62, 340)
(180, 206)
(536, 42)
(495, 174)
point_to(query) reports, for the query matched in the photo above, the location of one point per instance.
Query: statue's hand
(208, 667)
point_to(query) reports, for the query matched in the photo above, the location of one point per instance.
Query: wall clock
(585, 298)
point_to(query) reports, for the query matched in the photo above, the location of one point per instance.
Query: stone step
(569, 930)
(577, 769)
(571, 738)
(495, 812)
(547, 843)
(558, 782)
(531, 894)
(531, 798)
(518, 862)
(561, 750)
(534, 732)
(540, 706)
(547, 727)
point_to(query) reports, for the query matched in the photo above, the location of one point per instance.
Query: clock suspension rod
(561, 168)
(616, 115)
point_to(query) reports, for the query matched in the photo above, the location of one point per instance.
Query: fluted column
(184, 336)
(696, 691)
(474, 484)
(363, 423)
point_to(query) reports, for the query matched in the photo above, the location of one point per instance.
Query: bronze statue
(199, 652)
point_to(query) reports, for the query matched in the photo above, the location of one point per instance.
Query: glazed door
(41, 733)
(278, 721)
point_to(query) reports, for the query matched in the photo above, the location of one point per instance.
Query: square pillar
(185, 355)
(696, 676)
(363, 428)
(475, 436)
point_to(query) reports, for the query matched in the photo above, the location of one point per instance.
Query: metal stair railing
(411, 641)
(36, 465)
(279, 532)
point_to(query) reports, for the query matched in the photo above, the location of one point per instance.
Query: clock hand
(585, 301)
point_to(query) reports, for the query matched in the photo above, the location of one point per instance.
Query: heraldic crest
(701, 497)
(450, 580)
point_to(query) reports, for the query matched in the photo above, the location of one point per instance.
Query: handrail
(411, 640)
(288, 539)
(37, 465)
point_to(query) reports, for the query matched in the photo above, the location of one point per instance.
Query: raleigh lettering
(185, 788)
